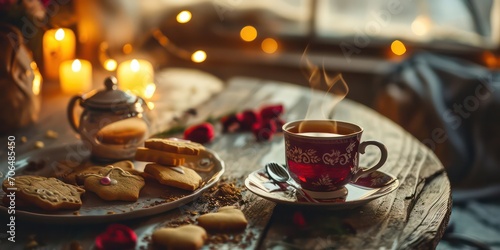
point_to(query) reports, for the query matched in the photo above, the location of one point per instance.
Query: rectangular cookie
(160, 157)
(179, 177)
(174, 146)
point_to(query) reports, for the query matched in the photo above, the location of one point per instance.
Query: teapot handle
(70, 112)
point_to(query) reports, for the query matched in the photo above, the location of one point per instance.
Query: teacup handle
(70, 112)
(383, 158)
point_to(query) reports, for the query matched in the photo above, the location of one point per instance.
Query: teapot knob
(111, 83)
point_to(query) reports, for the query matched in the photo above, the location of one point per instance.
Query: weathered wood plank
(413, 216)
(394, 221)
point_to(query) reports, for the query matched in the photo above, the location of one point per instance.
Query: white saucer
(356, 195)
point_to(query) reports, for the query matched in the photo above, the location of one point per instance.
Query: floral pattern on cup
(324, 161)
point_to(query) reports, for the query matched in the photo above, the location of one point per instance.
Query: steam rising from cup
(336, 88)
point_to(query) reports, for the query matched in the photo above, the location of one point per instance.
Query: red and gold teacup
(323, 155)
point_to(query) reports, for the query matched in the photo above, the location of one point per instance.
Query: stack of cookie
(167, 157)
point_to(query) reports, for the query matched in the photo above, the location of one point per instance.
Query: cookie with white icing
(112, 183)
(46, 193)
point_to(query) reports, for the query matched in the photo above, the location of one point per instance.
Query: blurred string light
(199, 56)
(107, 63)
(398, 48)
(184, 16)
(269, 45)
(110, 64)
(127, 48)
(248, 33)
(490, 60)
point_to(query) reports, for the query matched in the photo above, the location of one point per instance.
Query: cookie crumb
(32, 243)
(24, 139)
(77, 213)
(110, 212)
(51, 134)
(39, 144)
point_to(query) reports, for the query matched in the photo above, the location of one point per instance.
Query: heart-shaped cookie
(112, 184)
(183, 237)
(227, 219)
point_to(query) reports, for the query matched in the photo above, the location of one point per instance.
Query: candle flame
(59, 35)
(76, 66)
(134, 65)
(199, 56)
(184, 16)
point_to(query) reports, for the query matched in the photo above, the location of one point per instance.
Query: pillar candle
(58, 46)
(75, 76)
(136, 76)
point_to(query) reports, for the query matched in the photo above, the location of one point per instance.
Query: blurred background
(431, 66)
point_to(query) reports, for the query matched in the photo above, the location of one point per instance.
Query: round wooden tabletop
(414, 216)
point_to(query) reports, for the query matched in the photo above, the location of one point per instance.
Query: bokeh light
(398, 48)
(37, 79)
(110, 64)
(490, 60)
(199, 56)
(421, 26)
(269, 45)
(248, 33)
(150, 90)
(184, 16)
(127, 48)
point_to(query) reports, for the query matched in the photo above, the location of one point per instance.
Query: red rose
(278, 122)
(264, 131)
(201, 133)
(231, 123)
(248, 119)
(116, 236)
(271, 111)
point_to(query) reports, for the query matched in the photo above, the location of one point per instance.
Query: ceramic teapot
(113, 122)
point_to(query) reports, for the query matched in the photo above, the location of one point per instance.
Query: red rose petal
(271, 111)
(248, 119)
(264, 131)
(201, 133)
(116, 236)
(231, 123)
(278, 122)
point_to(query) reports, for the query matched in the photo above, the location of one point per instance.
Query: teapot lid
(111, 97)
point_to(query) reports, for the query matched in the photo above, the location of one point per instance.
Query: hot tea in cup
(323, 155)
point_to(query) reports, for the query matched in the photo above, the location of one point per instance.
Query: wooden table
(413, 216)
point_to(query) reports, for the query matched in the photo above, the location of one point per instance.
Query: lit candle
(136, 76)
(75, 76)
(58, 46)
